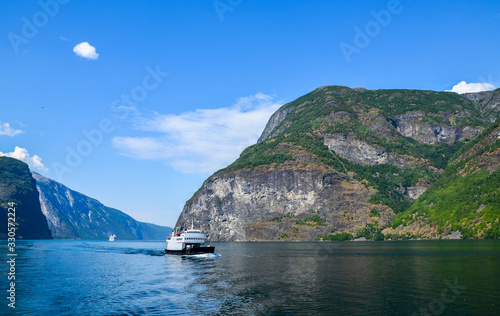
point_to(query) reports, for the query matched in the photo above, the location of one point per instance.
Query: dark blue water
(365, 278)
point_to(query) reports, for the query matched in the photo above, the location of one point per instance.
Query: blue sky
(161, 94)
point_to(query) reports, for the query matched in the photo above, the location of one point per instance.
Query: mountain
(72, 215)
(339, 163)
(465, 199)
(488, 103)
(18, 186)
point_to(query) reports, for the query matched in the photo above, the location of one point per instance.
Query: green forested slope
(467, 197)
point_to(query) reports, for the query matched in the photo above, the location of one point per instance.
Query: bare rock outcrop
(265, 204)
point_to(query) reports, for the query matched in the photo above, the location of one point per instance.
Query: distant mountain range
(341, 163)
(48, 209)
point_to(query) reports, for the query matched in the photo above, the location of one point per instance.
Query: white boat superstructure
(191, 241)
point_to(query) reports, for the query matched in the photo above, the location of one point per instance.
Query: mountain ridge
(73, 215)
(46, 209)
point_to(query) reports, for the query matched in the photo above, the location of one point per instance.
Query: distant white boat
(112, 237)
(189, 242)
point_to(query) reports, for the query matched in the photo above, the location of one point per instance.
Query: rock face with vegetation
(72, 215)
(488, 102)
(339, 163)
(18, 186)
(465, 199)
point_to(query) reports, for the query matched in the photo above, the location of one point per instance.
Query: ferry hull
(191, 251)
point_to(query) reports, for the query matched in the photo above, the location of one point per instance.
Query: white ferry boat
(112, 237)
(189, 242)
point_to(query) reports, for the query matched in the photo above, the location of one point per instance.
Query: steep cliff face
(290, 201)
(72, 215)
(275, 121)
(337, 160)
(412, 125)
(18, 186)
(358, 151)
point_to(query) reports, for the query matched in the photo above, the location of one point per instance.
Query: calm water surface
(364, 278)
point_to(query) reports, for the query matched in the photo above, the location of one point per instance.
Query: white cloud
(464, 87)
(202, 141)
(124, 112)
(5, 129)
(85, 50)
(22, 154)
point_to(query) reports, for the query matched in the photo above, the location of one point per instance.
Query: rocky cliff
(488, 102)
(338, 161)
(18, 186)
(289, 201)
(72, 215)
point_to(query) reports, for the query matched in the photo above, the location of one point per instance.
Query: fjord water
(336, 278)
